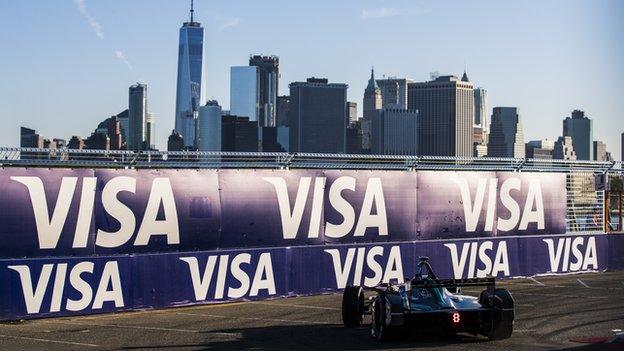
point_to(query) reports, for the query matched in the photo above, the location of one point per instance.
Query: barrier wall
(88, 241)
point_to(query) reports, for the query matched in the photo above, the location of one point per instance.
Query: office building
(137, 117)
(281, 113)
(599, 151)
(351, 112)
(579, 128)
(354, 138)
(366, 126)
(445, 113)
(506, 133)
(76, 142)
(209, 127)
(275, 139)
(245, 92)
(107, 135)
(124, 126)
(372, 97)
(540, 149)
(394, 132)
(239, 134)
(268, 79)
(30, 138)
(189, 83)
(622, 147)
(481, 111)
(394, 92)
(564, 149)
(150, 128)
(318, 118)
(478, 142)
(175, 141)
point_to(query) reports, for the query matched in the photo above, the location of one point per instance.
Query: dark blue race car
(426, 303)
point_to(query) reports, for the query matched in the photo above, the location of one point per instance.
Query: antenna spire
(192, 11)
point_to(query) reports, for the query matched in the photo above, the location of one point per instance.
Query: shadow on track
(316, 337)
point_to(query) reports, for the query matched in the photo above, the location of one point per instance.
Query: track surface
(551, 313)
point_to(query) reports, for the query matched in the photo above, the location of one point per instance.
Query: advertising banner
(487, 204)
(61, 286)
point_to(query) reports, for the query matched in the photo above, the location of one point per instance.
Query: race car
(428, 304)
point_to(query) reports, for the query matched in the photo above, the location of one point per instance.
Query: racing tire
(502, 323)
(378, 326)
(353, 306)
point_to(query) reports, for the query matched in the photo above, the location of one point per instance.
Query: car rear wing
(447, 283)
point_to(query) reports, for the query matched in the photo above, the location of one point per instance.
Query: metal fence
(33, 157)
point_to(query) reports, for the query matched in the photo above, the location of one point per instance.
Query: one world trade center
(190, 58)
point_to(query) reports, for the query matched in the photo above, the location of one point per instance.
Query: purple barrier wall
(61, 286)
(63, 212)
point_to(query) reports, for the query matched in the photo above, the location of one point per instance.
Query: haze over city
(72, 62)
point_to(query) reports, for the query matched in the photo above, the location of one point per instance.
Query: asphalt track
(559, 312)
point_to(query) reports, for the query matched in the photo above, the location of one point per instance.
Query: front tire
(353, 306)
(379, 329)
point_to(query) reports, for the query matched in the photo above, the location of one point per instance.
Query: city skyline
(546, 94)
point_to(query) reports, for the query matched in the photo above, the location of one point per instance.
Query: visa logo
(357, 260)
(479, 259)
(572, 254)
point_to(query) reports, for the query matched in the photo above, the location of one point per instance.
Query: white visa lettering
(392, 270)
(34, 296)
(533, 211)
(292, 216)
(263, 277)
(481, 259)
(572, 254)
(50, 225)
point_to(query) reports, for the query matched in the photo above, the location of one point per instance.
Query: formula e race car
(428, 304)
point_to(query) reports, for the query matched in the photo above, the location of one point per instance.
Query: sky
(66, 65)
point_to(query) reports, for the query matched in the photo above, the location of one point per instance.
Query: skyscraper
(209, 127)
(445, 114)
(506, 137)
(281, 114)
(394, 132)
(318, 118)
(481, 111)
(268, 75)
(394, 92)
(150, 136)
(188, 95)
(351, 112)
(600, 151)
(137, 117)
(579, 127)
(564, 149)
(245, 92)
(372, 97)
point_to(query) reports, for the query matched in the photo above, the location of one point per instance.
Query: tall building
(351, 112)
(354, 138)
(175, 141)
(564, 149)
(137, 117)
(579, 127)
(245, 92)
(188, 91)
(30, 138)
(281, 113)
(540, 149)
(372, 97)
(268, 75)
(506, 134)
(481, 111)
(150, 136)
(394, 92)
(209, 131)
(445, 114)
(124, 126)
(600, 151)
(394, 132)
(318, 119)
(622, 148)
(239, 134)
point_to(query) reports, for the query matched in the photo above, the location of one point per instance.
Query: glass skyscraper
(190, 58)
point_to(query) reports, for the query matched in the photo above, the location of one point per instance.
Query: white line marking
(48, 340)
(561, 295)
(128, 327)
(537, 281)
(524, 330)
(298, 306)
(582, 283)
(251, 318)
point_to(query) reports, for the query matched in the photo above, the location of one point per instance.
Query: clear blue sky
(66, 65)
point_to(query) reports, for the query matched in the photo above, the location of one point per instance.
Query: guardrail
(34, 157)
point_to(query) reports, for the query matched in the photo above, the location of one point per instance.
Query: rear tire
(352, 306)
(378, 326)
(502, 321)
